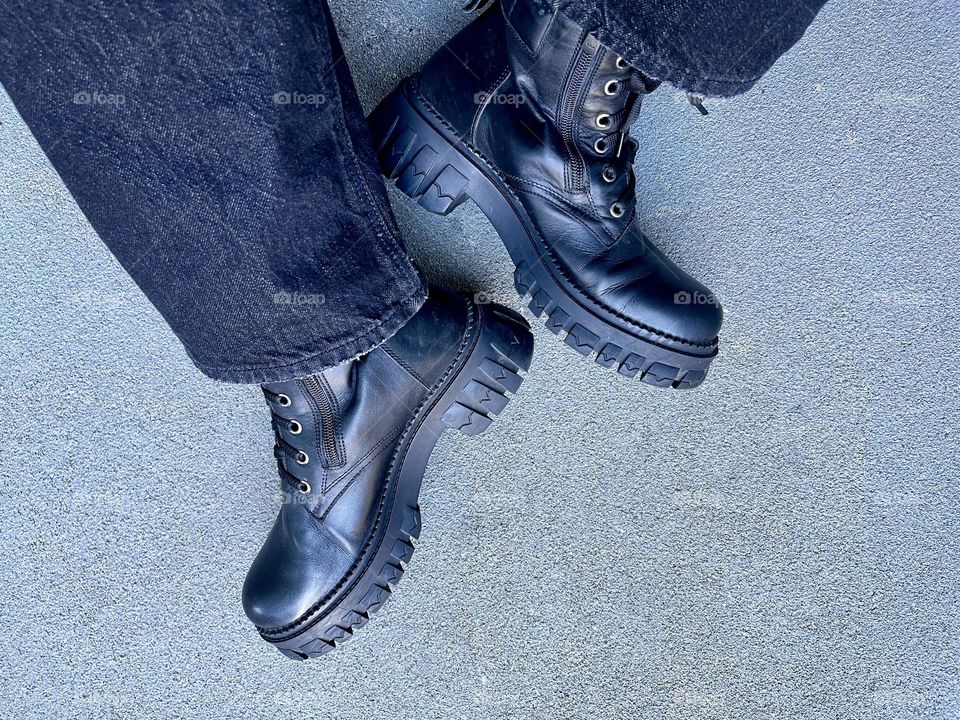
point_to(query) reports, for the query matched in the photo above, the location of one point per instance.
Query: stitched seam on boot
(472, 320)
(354, 472)
(503, 177)
(472, 132)
(556, 194)
(561, 204)
(509, 24)
(395, 356)
(546, 31)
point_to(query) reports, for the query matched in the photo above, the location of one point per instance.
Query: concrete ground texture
(779, 543)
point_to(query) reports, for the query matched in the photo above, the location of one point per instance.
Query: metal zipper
(325, 406)
(568, 111)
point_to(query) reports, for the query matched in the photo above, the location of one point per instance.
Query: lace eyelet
(612, 87)
(603, 121)
(302, 458)
(601, 146)
(617, 210)
(622, 64)
(609, 174)
(284, 400)
(304, 487)
(295, 427)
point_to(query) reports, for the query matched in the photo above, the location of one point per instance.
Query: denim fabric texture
(220, 151)
(719, 48)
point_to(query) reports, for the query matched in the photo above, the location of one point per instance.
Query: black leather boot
(352, 446)
(528, 116)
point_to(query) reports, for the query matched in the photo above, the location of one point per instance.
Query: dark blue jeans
(706, 47)
(220, 151)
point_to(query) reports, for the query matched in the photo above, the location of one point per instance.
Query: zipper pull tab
(697, 102)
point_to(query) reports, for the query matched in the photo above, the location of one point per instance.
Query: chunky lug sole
(430, 163)
(496, 348)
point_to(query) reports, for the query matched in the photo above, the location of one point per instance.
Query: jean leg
(709, 47)
(219, 149)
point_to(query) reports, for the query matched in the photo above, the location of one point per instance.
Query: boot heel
(418, 159)
(504, 349)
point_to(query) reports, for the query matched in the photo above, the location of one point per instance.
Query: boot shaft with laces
(352, 444)
(528, 115)
(590, 108)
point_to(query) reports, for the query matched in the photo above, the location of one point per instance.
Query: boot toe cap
(692, 314)
(662, 298)
(296, 569)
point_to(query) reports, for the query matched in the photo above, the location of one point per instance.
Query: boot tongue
(644, 83)
(640, 85)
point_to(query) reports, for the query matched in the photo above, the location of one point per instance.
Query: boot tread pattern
(587, 343)
(486, 382)
(424, 166)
